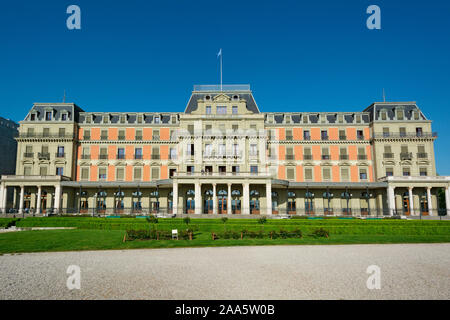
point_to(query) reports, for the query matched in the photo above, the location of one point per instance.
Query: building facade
(222, 155)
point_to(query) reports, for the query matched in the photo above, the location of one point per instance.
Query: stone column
(214, 198)
(57, 200)
(38, 202)
(5, 198)
(269, 197)
(391, 200)
(175, 197)
(246, 198)
(430, 204)
(2, 191)
(198, 198)
(229, 200)
(447, 200)
(411, 201)
(22, 194)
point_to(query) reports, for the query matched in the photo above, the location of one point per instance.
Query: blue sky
(297, 55)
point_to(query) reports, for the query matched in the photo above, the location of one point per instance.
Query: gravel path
(408, 271)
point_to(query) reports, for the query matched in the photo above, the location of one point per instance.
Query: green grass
(105, 233)
(71, 240)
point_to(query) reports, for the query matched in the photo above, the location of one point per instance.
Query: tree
(224, 220)
(262, 221)
(187, 220)
(152, 220)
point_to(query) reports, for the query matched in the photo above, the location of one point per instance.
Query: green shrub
(321, 232)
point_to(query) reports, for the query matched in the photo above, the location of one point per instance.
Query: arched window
(190, 201)
(274, 202)
(236, 201)
(223, 201)
(291, 203)
(254, 202)
(208, 207)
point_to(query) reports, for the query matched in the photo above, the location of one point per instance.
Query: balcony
(44, 156)
(422, 155)
(28, 155)
(120, 156)
(388, 155)
(85, 156)
(103, 137)
(29, 135)
(404, 135)
(121, 137)
(155, 138)
(342, 137)
(360, 137)
(60, 155)
(343, 157)
(155, 157)
(324, 137)
(86, 137)
(289, 138)
(290, 157)
(103, 156)
(307, 138)
(325, 157)
(138, 156)
(138, 138)
(307, 157)
(362, 157)
(406, 156)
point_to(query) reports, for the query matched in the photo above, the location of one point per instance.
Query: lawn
(104, 233)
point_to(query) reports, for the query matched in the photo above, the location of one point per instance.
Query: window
(325, 153)
(344, 174)
(27, 171)
(155, 153)
(208, 150)
(362, 153)
(388, 152)
(290, 173)
(62, 132)
(138, 135)
(64, 116)
(155, 173)
(383, 115)
(423, 172)
(173, 153)
(289, 153)
(60, 153)
(307, 153)
(137, 173)
(102, 174)
(157, 120)
(326, 174)
(208, 109)
(87, 134)
(191, 129)
(33, 117)
(306, 135)
(84, 173)
(308, 174)
(419, 132)
(138, 153)
(253, 169)
(234, 110)
(120, 153)
(48, 116)
(406, 172)
(289, 134)
(342, 135)
(324, 135)
(360, 135)
(221, 110)
(103, 154)
(402, 132)
(104, 135)
(46, 132)
(121, 135)
(120, 173)
(43, 171)
(155, 135)
(343, 153)
(385, 132)
(389, 172)
(362, 174)
(59, 171)
(399, 114)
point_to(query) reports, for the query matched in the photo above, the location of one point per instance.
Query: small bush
(321, 232)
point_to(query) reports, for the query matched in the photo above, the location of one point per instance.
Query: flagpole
(221, 69)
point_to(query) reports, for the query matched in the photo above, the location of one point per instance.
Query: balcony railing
(44, 155)
(138, 138)
(360, 137)
(28, 155)
(325, 157)
(60, 155)
(120, 156)
(155, 137)
(103, 156)
(103, 137)
(290, 157)
(343, 156)
(342, 137)
(45, 135)
(138, 156)
(86, 137)
(324, 137)
(388, 155)
(362, 157)
(406, 156)
(121, 137)
(388, 135)
(289, 138)
(85, 156)
(422, 155)
(155, 156)
(307, 157)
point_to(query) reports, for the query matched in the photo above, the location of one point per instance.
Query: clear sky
(297, 55)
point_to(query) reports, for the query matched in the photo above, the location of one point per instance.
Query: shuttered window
(290, 173)
(326, 173)
(137, 173)
(308, 174)
(344, 174)
(120, 174)
(27, 171)
(84, 173)
(155, 173)
(43, 171)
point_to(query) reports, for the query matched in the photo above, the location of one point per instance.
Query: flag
(220, 53)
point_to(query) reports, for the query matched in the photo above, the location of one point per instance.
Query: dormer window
(208, 97)
(383, 115)
(416, 115)
(288, 118)
(33, 117)
(48, 116)
(322, 118)
(399, 114)
(174, 119)
(89, 119)
(340, 118)
(63, 116)
(105, 119)
(270, 118)
(235, 98)
(139, 118)
(358, 118)
(122, 118)
(157, 119)
(305, 119)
